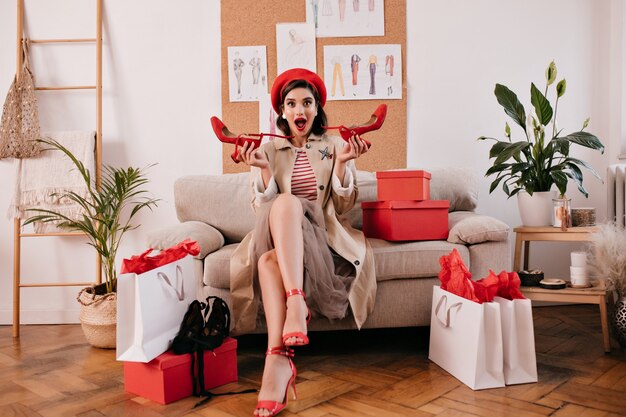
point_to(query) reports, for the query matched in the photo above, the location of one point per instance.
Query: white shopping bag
(466, 339)
(150, 308)
(518, 340)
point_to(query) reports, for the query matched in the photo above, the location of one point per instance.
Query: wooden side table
(527, 234)
(593, 295)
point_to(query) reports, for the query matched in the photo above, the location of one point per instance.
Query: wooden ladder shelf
(17, 222)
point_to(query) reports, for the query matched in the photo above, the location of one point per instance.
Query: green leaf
(550, 73)
(560, 88)
(542, 106)
(585, 139)
(511, 104)
(510, 151)
(497, 168)
(560, 179)
(497, 148)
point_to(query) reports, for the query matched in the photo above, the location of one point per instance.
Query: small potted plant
(107, 213)
(541, 158)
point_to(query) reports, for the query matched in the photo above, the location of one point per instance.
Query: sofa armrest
(208, 237)
(469, 228)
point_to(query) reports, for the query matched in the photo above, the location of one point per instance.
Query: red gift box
(406, 220)
(167, 377)
(403, 185)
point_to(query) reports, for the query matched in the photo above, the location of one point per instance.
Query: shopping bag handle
(180, 294)
(444, 301)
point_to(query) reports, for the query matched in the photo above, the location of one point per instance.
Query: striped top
(303, 181)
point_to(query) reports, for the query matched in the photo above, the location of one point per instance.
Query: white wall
(162, 83)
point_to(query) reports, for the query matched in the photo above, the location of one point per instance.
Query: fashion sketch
(327, 9)
(295, 46)
(371, 71)
(373, 61)
(354, 67)
(255, 63)
(346, 18)
(389, 73)
(238, 70)
(247, 67)
(337, 76)
(315, 7)
(342, 9)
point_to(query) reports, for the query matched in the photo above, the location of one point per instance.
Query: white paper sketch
(295, 46)
(247, 72)
(346, 18)
(363, 72)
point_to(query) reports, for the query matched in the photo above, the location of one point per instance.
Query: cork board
(253, 22)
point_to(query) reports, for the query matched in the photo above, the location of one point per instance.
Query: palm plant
(103, 209)
(534, 163)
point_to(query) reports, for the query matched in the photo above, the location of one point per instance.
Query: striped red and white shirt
(303, 181)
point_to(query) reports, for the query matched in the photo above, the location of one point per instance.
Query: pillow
(209, 238)
(469, 228)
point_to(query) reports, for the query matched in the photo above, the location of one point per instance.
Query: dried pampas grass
(607, 256)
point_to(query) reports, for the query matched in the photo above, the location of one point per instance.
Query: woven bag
(19, 128)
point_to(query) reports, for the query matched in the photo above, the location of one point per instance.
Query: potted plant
(107, 213)
(541, 159)
(606, 260)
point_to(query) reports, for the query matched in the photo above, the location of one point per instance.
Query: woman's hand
(252, 157)
(353, 149)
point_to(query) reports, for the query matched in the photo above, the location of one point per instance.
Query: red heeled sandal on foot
(374, 123)
(274, 407)
(226, 136)
(299, 335)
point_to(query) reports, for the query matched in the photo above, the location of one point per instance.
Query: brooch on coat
(325, 153)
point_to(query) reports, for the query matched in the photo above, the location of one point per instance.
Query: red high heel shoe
(226, 136)
(274, 407)
(374, 123)
(299, 335)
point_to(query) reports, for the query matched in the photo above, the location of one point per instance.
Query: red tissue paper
(456, 278)
(141, 263)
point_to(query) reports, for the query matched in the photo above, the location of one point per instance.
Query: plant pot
(98, 316)
(619, 322)
(536, 209)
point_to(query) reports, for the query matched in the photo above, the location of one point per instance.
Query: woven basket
(98, 316)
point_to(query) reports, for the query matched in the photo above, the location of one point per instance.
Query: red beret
(296, 74)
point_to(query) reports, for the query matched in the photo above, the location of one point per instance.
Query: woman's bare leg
(286, 227)
(277, 372)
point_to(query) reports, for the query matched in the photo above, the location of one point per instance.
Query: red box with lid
(167, 377)
(406, 220)
(403, 185)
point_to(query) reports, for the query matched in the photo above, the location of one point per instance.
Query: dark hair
(319, 121)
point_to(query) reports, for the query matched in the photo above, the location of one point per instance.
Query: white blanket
(38, 178)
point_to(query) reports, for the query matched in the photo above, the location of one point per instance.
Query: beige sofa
(216, 211)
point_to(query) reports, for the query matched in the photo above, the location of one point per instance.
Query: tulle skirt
(327, 276)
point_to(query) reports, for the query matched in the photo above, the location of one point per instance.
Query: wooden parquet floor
(52, 371)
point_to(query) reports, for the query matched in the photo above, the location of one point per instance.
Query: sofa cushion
(223, 201)
(209, 238)
(471, 228)
(393, 260)
(217, 267)
(398, 260)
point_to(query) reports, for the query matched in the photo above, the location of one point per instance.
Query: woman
(300, 255)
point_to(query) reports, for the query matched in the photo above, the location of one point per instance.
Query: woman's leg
(277, 372)
(286, 228)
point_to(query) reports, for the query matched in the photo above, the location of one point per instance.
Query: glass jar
(561, 214)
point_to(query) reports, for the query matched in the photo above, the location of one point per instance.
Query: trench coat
(335, 198)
